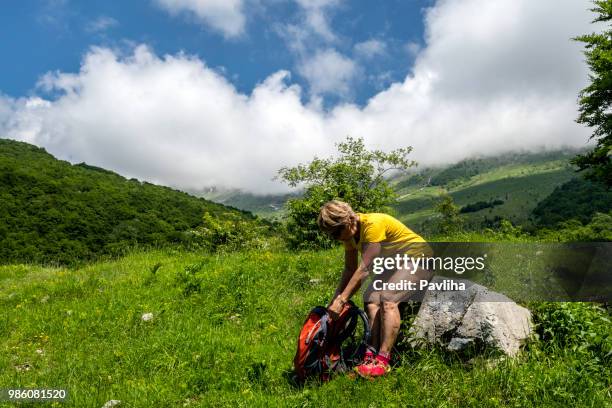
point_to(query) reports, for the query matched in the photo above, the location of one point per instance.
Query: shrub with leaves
(189, 280)
(582, 327)
(229, 233)
(597, 230)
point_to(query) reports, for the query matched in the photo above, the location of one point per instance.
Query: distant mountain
(462, 171)
(487, 189)
(507, 186)
(268, 205)
(52, 211)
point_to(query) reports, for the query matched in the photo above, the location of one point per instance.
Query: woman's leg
(382, 306)
(390, 326)
(390, 319)
(373, 312)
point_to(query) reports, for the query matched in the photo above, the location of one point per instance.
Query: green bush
(447, 220)
(480, 205)
(188, 279)
(581, 327)
(229, 233)
(598, 229)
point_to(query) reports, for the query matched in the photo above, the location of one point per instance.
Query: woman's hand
(335, 307)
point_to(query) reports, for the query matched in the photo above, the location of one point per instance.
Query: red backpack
(320, 350)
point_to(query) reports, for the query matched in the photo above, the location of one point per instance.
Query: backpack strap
(366, 326)
(321, 333)
(355, 314)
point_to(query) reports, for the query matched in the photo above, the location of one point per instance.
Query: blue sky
(199, 93)
(49, 35)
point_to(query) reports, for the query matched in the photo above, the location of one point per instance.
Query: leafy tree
(480, 205)
(449, 220)
(356, 176)
(596, 99)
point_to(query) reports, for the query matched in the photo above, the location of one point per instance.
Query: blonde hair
(334, 215)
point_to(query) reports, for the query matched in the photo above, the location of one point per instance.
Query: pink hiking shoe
(376, 368)
(369, 356)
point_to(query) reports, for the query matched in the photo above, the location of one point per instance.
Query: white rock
(111, 403)
(458, 344)
(474, 316)
(23, 367)
(147, 317)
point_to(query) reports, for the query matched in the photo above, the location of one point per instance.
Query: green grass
(231, 341)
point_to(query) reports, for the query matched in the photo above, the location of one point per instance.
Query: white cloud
(317, 17)
(370, 48)
(412, 48)
(311, 39)
(492, 77)
(55, 14)
(311, 30)
(328, 71)
(381, 80)
(101, 24)
(225, 16)
(476, 53)
(169, 120)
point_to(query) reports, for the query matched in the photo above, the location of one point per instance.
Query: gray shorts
(393, 285)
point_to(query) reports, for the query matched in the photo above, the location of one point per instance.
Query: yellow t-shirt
(393, 236)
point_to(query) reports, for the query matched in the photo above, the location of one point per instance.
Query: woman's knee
(372, 309)
(390, 312)
(390, 306)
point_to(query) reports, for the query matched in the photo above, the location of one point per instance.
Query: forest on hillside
(55, 212)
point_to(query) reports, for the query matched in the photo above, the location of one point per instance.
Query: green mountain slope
(516, 183)
(464, 170)
(52, 211)
(577, 199)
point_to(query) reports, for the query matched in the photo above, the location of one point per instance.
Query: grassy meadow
(223, 333)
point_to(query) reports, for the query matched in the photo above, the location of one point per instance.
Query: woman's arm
(350, 265)
(354, 283)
